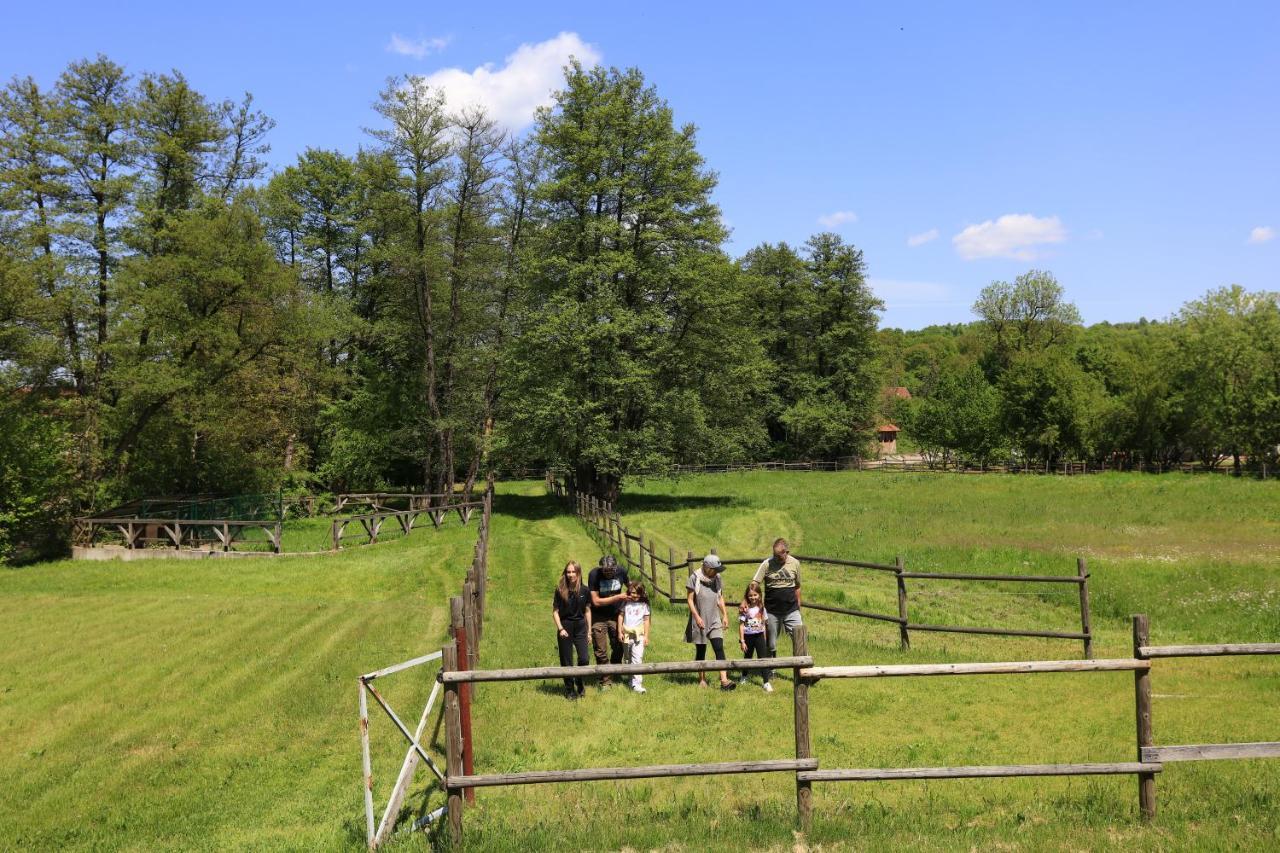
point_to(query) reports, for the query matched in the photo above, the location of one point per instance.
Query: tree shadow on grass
(529, 507)
(543, 507)
(673, 503)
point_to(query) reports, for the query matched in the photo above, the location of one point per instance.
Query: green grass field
(212, 704)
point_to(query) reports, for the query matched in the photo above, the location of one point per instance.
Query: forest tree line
(1027, 381)
(450, 298)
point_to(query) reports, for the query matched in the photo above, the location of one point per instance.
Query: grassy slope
(206, 703)
(212, 704)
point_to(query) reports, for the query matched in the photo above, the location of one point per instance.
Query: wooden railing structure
(371, 523)
(137, 532)
(603, 518)
(457, 674)
(466, 621)
(383, 500)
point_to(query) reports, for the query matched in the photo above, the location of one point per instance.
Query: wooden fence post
(904, 639)
(653, 565)
(335, 535)
(462, 655)
(366, 764)
(1086, 625)
(453, 745)
(626, 548)
(1142, 701)
(671, 571)
(804, 790)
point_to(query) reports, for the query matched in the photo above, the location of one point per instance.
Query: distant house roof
(887, 428)
(898, 392)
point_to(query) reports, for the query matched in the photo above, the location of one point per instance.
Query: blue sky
(1131, 148)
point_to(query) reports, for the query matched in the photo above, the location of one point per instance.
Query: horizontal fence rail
(1209, 650)
(1212, 751)
(986, 771)
(538, 673)
(653, 771)
(1004, 668)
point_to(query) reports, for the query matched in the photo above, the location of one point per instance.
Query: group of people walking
(610, 612)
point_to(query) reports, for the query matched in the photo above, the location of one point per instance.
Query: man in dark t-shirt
(780, 576)
(608, 585)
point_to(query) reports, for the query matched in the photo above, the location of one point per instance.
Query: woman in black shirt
(571, 610)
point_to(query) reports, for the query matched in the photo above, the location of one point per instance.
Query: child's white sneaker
(639, 689)
(768, 688)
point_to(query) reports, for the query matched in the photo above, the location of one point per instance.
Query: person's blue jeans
(788, 623)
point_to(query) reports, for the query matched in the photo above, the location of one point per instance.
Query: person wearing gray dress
(707, 618)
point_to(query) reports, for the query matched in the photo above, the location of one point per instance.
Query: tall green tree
(635, 349)
(1227, 346)
(1025, 317)
(816, 318)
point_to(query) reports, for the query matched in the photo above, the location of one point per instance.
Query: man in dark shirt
(608, 585)
(780, 577)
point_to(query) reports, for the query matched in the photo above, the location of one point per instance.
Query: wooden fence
(457, 674)
(603, 518)
(466, 612)
(175, 532)
(370, 523)
(1064, 467)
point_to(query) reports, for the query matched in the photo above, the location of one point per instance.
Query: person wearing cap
(608, 585)
(707, 616)
(780, 577)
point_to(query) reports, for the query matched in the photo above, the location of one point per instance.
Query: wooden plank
(997, 632)
(1211, 751)
(379, 673)
(959, 576)
(652, 771)
(366, 766)
(978, 772)
(548, 672)
(1209, 650)
(831, 608)
(832, 561)
(1001, 668)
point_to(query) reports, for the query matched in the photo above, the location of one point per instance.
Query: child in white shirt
(633, 628)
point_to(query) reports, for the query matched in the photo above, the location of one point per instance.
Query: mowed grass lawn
(212, 704)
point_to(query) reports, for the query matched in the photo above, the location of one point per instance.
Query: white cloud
(835, 220)
(417, 48)
(1014, 235)
(1262, 234)
(922, 238)
(512, 93)
(899, 293)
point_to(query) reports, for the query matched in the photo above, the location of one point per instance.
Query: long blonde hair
(562, 589)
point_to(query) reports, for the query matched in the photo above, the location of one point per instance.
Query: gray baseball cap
(712, 562)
